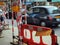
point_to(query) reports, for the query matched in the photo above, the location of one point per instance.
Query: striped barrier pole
(19, 23)
(19, 30)
(25, 16)
(12, 30)
(13, 27)
(13, 37)
(24, 11)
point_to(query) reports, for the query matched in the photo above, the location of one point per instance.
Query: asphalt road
(57, 30)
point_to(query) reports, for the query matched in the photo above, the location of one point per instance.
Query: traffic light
(49, 0)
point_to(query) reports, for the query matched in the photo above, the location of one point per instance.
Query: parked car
(44, 16)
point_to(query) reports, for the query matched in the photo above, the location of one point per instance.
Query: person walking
(1, 23)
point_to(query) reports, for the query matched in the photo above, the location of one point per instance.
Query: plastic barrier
(54, 38)
(34, 35)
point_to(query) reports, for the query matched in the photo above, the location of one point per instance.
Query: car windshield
(36, 10)
(53, 10)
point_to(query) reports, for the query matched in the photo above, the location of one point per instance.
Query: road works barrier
(36, 35)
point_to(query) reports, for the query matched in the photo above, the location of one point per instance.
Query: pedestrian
(1, 29)
(1, 23)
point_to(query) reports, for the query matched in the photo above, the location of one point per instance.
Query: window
(53, 10)
(36, 10)
(40, 10)
(43, 11)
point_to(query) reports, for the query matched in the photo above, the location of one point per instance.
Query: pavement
(8, 35)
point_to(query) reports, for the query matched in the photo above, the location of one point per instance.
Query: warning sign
(15, 8)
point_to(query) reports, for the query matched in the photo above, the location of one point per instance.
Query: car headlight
(58, 19)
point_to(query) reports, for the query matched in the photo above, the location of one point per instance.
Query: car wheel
(43, 24)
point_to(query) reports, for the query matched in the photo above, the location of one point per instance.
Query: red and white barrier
(34, 35)
(28, 33)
